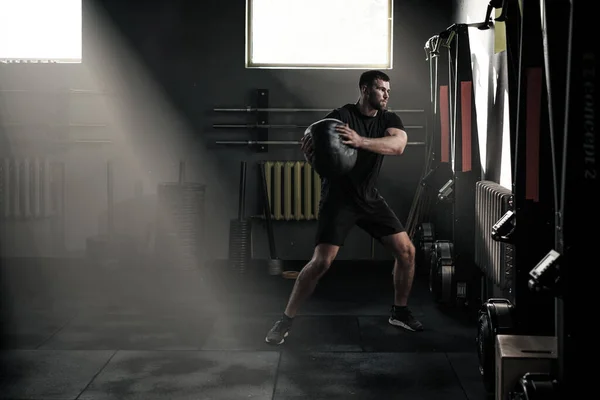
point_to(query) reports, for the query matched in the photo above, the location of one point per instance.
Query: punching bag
(331, 157)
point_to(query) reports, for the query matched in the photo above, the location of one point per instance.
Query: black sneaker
(402, 317)
(278, 332)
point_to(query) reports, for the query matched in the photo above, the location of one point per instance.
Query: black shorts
(335, 222)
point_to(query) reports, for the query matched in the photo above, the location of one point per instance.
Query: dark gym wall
(168, 64)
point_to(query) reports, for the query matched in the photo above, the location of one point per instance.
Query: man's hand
(306, 145)
(349, 136)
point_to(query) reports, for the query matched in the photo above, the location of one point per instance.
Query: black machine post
(275, 267)
(533, 181)
(572, 62)
(267, 210)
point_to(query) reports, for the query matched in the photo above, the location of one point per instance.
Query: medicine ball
(331, 157)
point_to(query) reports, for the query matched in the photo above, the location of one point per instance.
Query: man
(354, 200)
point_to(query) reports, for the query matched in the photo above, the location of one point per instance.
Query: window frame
(75, 49)
(249, 64)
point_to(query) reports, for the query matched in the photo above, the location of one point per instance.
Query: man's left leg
(382, 223)
(403, 251)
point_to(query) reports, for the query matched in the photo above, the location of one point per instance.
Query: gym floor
(75, 330)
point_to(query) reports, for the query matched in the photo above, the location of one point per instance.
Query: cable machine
(527, 342)
(453, 170)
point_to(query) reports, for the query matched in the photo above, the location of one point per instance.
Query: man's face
(377, 94)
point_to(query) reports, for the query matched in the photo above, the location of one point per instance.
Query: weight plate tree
(181, 220)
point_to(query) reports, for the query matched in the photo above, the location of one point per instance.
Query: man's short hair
(369, 77)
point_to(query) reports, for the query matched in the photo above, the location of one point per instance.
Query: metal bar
(253, 109)
(258, 142)
(267, 211)
(252, 126)
(281, 142)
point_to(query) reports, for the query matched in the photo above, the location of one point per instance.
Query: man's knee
(322, 259)
(401, 247)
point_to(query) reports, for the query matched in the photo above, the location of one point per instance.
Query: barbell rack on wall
(280, 142)
(254, 109)
(254, 126)
(261, 112)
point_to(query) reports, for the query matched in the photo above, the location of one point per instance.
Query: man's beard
(377, 105)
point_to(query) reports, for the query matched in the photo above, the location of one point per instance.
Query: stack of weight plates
(239, 245)
(180, 227)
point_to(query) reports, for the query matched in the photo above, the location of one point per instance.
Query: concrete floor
(75, 330)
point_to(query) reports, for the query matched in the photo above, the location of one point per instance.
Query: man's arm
(392, 143)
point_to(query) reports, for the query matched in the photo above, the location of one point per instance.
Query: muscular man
(354, 200)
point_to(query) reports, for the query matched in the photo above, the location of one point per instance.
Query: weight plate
(441, 274)
(496, 317)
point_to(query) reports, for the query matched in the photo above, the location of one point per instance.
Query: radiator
(28, 188)
(294, 190)
(495, 259)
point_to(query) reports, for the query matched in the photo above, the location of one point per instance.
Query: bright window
(319, 34)
(40, 31)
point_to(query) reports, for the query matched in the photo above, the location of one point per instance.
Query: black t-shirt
(358, 187)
